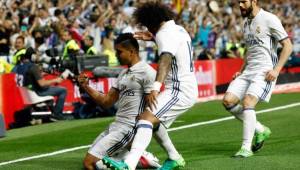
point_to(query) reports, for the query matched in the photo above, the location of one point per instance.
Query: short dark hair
(127, 40)
(90, 38)
(21, 38)
(152, 14)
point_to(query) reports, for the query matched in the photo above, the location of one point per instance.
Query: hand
(151, 99)
(272, 75)
(58, 80)
(145, 35)
(82, 80)
(236, 75)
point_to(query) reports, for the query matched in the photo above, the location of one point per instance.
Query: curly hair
(127, 40)
(152, 14)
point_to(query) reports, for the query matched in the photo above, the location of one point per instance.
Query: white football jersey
(133, 84)
(261, 35)
(174, 39)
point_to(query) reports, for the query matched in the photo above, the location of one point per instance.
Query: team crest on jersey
(257, 30)
(132, 78)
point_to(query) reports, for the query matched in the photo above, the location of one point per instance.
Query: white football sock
(162, 137)
(140, 142)
(237, 112)
(248, 128)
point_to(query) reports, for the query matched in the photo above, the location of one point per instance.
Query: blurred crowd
(90, 26)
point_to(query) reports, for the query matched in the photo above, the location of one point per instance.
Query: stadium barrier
(210, 74)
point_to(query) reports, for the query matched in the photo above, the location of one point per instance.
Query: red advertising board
(204, 71)
(225, 69)
(208, 73)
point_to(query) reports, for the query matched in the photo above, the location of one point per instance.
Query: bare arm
(164, 65)
(287, 48)
(104, 100)
(284, 55)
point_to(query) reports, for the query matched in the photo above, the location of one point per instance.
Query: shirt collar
(135, 66)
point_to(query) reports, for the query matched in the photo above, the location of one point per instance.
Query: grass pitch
(203, 147)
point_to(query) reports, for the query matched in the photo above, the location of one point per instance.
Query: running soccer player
(262, 32)
(176, 71)
(129, 90)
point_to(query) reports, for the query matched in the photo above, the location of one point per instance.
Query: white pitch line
(231, 117)
(170, 130)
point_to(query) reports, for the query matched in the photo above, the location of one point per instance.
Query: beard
(247, 12)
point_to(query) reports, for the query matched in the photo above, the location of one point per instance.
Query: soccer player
(176, 71)
(129, 90)
(262, 32)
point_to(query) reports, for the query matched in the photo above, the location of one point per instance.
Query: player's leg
(174, 160)
(249, 103)
(116, 137)
(234, 95)
(142, 139)
(263, 91)
(162, 137)
(90, 161)
(147, 120)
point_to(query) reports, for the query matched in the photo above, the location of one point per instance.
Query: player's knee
(249, 101)
(228, 101)
(149, 117)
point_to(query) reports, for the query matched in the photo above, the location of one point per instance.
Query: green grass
(203, 147)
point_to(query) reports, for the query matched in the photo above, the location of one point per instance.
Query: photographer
(30, 75)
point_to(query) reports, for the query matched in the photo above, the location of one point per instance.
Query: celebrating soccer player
(262, 32)
(176, 71)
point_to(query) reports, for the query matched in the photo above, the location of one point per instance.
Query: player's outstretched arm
(144, 35)
(287, 48)
(104, 100)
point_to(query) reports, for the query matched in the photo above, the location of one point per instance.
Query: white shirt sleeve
(276, 28)
(166, 43)
(149, 79)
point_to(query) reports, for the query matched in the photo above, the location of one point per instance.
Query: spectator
(108, 47)
(71, 47)
(21, 50)
(5, 32)
(88, 47)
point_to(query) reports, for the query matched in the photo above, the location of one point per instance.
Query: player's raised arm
(105, 100)
(144, 35)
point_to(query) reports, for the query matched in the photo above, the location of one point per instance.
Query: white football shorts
(253, 84)
(170, 106)
(115, 138)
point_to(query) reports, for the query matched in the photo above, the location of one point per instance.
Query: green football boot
(173, 164)
(259, 139)
(243, 153)
(114, 165)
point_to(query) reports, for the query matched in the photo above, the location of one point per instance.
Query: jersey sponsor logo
(128, 92)
(257, 30)
(132, 78)
(252, 40)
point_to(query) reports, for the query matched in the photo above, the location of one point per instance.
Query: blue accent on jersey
(145, 126)
(121, 143)
(266, 91)
(190, 54)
